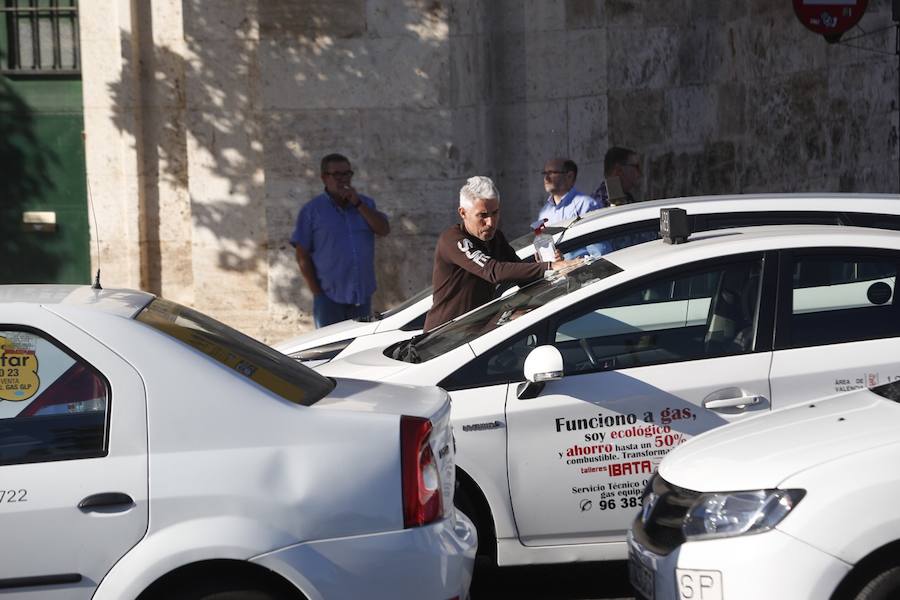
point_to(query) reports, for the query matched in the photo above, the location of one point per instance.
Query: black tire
(223, 586)
(244, 594)
(884, 586)
(487, 544)
(464, 504)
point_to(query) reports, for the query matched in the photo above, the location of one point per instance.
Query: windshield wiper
(406, 351)
(369, 318)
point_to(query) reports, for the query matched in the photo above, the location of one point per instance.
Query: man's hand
(350, 195)
(564, 266)
(375, 220)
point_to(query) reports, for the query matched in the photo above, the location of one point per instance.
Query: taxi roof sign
(673, 225)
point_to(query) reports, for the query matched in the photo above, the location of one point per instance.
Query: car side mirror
(544, 363)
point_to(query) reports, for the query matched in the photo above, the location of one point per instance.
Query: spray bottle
(544, 248)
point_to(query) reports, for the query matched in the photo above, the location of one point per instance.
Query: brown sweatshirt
(466, 271)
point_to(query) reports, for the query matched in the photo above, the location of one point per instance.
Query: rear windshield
(891, 391)
(503, 310)
(254, 360)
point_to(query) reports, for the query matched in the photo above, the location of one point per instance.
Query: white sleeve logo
(477, 256)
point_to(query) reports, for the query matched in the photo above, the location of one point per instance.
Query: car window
(254, 360)
(697, 314)
(527, 239)
(891, 390)
(409, 302)
(891, 222)
(499, 312)
(502, 364)
(837, 299)
(751, 219)
(53, 405)
(416, 324)
(611, 239)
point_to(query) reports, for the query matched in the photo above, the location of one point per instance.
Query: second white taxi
(568, 392)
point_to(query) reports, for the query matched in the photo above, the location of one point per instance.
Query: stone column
(111, 118)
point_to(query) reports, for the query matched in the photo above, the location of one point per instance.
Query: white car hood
(369, 364)
(336, 332)
(762, 452)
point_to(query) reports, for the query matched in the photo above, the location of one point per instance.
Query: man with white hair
(472, 257)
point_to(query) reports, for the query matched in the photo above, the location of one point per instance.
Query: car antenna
(96, 285)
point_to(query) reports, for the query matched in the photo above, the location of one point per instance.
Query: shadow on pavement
(578, 581)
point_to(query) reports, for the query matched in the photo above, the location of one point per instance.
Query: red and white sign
(831, 18)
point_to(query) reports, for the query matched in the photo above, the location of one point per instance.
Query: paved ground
(582, 581)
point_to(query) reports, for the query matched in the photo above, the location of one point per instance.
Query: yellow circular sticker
(18, 372)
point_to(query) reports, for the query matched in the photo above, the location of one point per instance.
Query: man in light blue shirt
(334, 240)
(565, 202)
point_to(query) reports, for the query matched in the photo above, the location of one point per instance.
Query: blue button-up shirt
(342, 248)
(572, 205)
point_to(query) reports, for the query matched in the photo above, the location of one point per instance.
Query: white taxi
(603, 231)
(148, 451)
(568, 392)
(799, 504)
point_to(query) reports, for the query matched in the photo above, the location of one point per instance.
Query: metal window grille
(39, 37)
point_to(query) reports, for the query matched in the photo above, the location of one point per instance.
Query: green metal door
(44, 234)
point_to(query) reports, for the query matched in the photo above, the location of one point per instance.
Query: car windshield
(503, 310)
(254, 360)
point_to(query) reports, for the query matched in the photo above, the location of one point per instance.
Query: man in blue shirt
(565, 202)
(334, 240)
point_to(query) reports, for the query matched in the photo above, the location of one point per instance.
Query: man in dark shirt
(622, 173)
(472, 257)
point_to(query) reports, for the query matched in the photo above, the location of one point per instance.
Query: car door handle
(106, 502)
(733, 402)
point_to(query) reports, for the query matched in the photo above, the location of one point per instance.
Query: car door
(646, 367)
(73, 462)
(838, 323)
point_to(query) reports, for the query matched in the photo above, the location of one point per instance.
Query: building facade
(204, 123)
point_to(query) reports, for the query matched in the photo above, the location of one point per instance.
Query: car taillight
(422, 503)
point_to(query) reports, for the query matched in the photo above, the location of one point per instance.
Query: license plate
(640, 576)
(699, 585)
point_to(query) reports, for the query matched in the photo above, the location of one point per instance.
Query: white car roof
(120, 302)
(752, 239)
(858, 203)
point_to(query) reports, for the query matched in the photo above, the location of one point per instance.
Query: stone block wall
(206, 122)
(387, 84)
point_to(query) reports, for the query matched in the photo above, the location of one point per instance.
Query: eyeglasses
(549, 173)
(339, 174)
